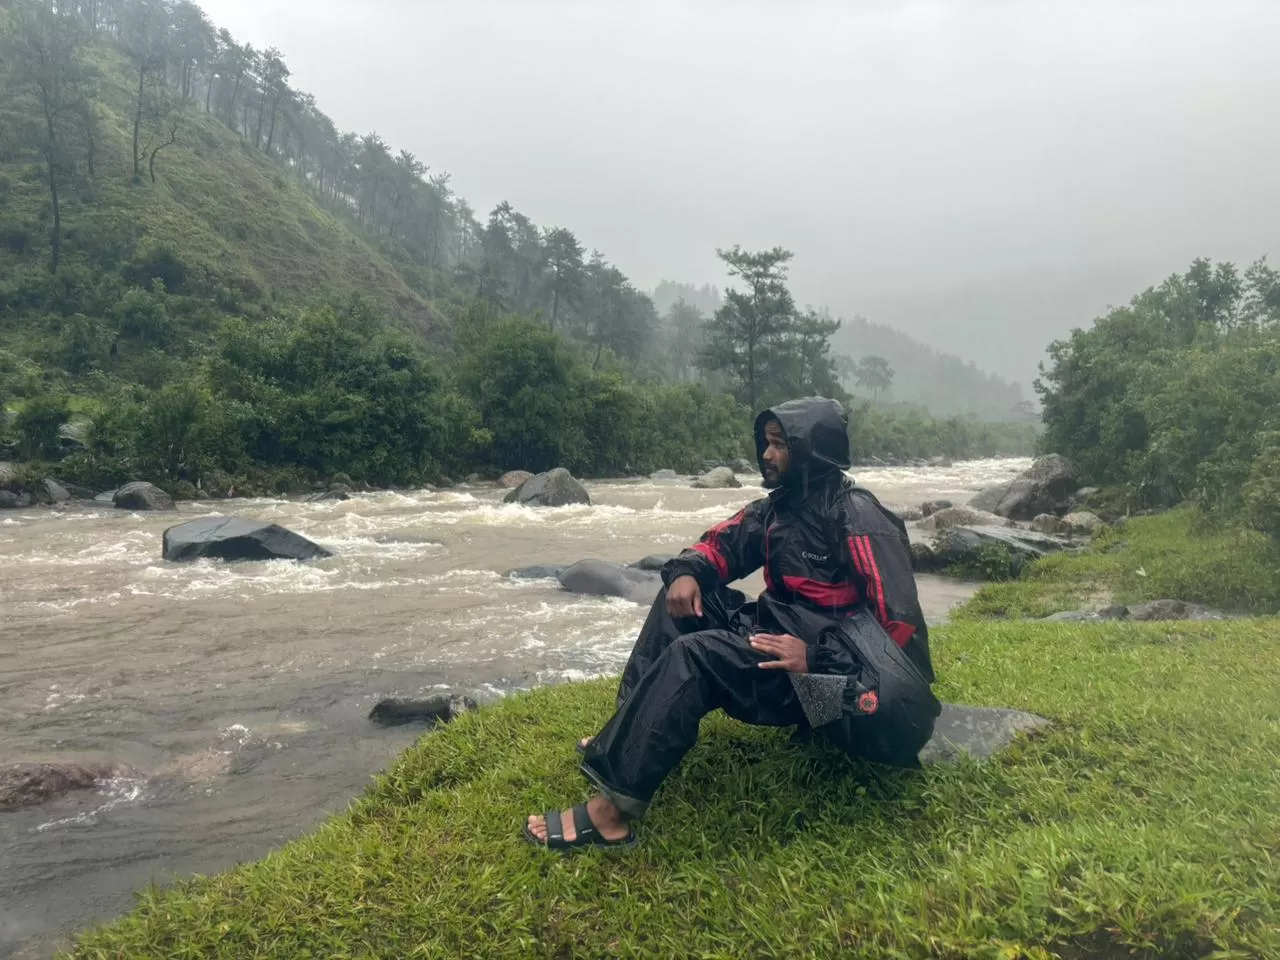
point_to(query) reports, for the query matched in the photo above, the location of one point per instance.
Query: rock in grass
(978, 732)
(432, 710)
(231, 538)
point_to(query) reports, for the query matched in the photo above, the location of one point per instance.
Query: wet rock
(535, 572)
(512, 479)
(1106, 615)
(954, 545)
(555, 488)
(29, 784)
(1083, 523)
(1054, 526)
(10, 500)
(51, 491)
(1172, 610)
(328, 495)
(908, 514)
(949, 517)
(8, 473)
(743, 465)
(432, 710)
(940, 462)
(979, 732)
(664, 475)
(77, 492)
(141, 495)
(930, 507)
(1045, 488)
(598, 578)
(407, 538)
(1141, 612)
(653, 563)
(107, 496)
(924, 559)
(232, 538)
(721, 478)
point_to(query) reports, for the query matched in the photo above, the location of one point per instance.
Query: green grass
(1177, 555)
(1146, 818)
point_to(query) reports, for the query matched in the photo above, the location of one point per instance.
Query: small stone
(979, 732)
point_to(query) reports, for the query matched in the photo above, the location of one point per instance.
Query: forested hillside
(226, 289)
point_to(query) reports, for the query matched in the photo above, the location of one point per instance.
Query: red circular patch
(869, 702)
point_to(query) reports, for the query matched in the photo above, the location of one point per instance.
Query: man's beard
(772, 478)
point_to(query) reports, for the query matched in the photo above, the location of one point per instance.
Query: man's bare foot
(607, 818)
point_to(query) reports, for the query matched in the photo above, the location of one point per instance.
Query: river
(235, 696)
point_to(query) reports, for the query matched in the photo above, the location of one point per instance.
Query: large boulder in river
(721, 478)
(930, 507)
(652, 563)
(13, 501)
(512, 479)
(664, 476)
(141, 495)
(536, 572)
(231, 538)
(598, 578)
(1045, 488)
(555, 488)
(28, 784)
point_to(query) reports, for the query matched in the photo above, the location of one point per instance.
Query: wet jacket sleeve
(879, 557)
(727, 552)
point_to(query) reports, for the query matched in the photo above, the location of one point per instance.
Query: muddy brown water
(234, 697)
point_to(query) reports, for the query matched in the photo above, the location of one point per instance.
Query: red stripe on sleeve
(712, 554)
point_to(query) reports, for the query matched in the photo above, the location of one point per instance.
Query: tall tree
(875, 374)
(752, 318)
(565, 270)
(146, 38)
(42, 47)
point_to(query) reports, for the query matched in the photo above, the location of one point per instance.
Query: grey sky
(983, 174)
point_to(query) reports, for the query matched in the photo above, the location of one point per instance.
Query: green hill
(223, 222)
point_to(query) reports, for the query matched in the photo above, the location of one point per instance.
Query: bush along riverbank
(1132, 824)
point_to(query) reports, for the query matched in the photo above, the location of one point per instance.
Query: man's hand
(791, 652)
(684, 598)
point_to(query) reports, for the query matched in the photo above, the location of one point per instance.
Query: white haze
(984, 175)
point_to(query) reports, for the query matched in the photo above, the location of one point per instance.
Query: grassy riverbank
(1177, 555)
(1145, 818)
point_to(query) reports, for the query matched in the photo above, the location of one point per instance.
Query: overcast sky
(983, 174)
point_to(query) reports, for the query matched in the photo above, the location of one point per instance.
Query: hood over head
(817, 432)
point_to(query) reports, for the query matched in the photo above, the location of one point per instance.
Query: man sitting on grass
(837, 641)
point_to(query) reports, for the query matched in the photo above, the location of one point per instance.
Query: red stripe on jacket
(864, 559)
(717, 559)
(826, 594)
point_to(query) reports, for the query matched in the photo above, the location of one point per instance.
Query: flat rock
(952, 545)
(598, 578)
(407, 538)
(433, 710)
(232, 538)
(948, 517)
(327, 495)
(555, 488)
(1172, 610)
(979, 732)
(535, 572)
(141, 495)
(653, 563)
(29, 784)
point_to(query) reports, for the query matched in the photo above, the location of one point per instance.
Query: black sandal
(588, 835)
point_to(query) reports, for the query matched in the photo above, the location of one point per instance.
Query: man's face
(777, 455)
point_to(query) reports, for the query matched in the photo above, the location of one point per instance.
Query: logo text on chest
(817, 558)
